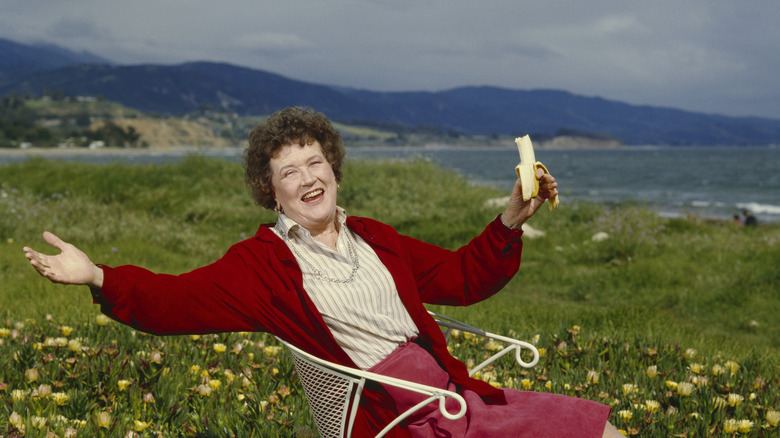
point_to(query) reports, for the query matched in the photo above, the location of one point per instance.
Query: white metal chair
(333, 391)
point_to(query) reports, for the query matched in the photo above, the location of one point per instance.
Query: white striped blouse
(353, 291)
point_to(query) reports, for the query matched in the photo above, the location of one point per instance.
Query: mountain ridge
(471, 110)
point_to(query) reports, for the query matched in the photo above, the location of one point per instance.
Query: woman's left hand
(518, 211)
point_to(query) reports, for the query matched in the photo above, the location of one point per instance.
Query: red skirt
(526, 413)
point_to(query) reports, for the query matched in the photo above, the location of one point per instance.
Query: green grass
(654, 289)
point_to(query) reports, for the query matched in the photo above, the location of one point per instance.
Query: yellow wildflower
(237, 347)
(773, 417)
(60, 398)
(744, 426)
(214, 384)
(718, 402)
(272, 350)
(195, 369)
(652, 371)
(74, 345)
(16, 420)
(4, 332)
(625, 415)
(123, 384)
(103, 419)
(652, 405)
(71, 433)
(566, 386)
(219, 348)
(31, 374)
(526, 384)
(592, 377)
(732, 366)
(101, 319)
(155, 357)
(548, 385)
(718, 370)
(38, 422)
(695, 368)
(66, 331)
(43, 391)
(194, 337)
(671, 385)
(139, 425)
(203, 390)
(689, 353)
(629, 388)
(148, 398)
(18, 395)
(229, 376)
(685, 388)
(734, 399)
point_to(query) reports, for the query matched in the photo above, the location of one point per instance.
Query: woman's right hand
(70, 266)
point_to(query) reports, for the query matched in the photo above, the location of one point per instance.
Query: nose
(308, 178)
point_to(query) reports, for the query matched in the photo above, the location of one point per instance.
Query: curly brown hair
(289, 126)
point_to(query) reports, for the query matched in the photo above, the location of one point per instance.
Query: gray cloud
(698, 55)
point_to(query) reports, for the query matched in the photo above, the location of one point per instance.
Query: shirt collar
(287, 227)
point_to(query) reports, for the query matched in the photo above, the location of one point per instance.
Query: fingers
(53, 240)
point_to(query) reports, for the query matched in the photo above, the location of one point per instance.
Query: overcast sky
(712, 56)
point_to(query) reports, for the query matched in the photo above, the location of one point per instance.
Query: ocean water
(715, 182)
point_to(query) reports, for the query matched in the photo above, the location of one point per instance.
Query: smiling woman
(347, 289)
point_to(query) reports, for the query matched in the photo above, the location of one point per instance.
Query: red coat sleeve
(469, 274)
(235, 293)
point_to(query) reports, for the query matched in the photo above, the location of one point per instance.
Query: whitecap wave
(757, 208)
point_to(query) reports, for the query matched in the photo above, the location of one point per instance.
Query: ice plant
(773, 417)
(689, 353)
(685, 388)
(734, 399)
(103, 419)
(592, 377)
(718, 370)
(652, 405)
(652, 371)
(123, 384)
(629, 388)
(31, 374)
(60, 398)
(101, 319)
(626, 415)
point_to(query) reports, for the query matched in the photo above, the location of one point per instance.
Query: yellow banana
(526, 171)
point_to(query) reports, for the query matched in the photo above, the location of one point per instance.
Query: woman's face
(304, 185)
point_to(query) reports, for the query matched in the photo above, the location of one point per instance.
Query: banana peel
(526, 171)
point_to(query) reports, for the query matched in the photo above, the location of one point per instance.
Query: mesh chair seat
(333, 391)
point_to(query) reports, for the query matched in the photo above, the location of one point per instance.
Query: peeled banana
(526, 171)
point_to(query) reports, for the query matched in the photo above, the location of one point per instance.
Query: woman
(347, 289)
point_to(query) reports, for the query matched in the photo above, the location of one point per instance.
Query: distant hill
(19, 60)
(189, 87)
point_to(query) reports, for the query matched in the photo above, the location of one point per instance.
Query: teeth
(312, 194)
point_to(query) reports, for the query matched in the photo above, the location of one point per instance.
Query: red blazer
(258, 286)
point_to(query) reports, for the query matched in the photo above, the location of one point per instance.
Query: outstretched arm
(70, 266)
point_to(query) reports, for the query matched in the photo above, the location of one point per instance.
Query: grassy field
(673, 322)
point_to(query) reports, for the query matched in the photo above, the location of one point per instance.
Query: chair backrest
(331, 394)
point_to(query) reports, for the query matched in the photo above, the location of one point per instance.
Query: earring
(279, 209)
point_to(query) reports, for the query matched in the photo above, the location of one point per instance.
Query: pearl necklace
(319, 275)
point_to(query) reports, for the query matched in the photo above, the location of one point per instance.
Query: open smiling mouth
(313, 195)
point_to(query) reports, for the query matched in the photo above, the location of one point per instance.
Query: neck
(329, 235)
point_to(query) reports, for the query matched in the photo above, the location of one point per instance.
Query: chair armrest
(513, 344)
(433, 393)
